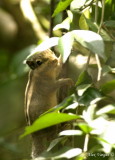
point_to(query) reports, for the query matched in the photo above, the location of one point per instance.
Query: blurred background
(21, 29)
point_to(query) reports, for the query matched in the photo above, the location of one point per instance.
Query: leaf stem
(88, 60)
(102, 15)
(99, 29)
(85, 148)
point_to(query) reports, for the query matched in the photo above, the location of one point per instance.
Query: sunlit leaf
(90, 40)
(48, 120)
(108, 87)
(70, 133)
(62, 153)
(62, 5)
(89, 114)
(107, 109)
(66, 23)
(82, 88)
(77, 4)
(48, 43)
(65, 45)
(72, 106)
(105, 130)
(69, 153)
(82, 21)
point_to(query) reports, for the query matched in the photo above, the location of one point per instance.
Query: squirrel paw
(70, 82)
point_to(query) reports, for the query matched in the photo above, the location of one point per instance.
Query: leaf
(66, 23)
(110, 23)
(48, 120)
(77, 4)
(84, 78)
(89, 114)
(62, 5)
(82, 88)
(48, 43)
(91, 96)
(82, 20)
(65, 45)
(70, 133)
(72, 106)
(85, 127)
(106, 131)
(91, 41)
(65, 103)
(54, 143)
(64, 152)
(91, 25)
(108, 87)
(107, 109)
(69, 153)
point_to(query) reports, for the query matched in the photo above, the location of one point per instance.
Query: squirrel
(41, 91)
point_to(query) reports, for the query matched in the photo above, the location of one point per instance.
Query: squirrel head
(43, 61)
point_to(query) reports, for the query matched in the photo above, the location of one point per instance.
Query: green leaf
(107, 109)
(65, 103)
(91, 96)
(85, 127)
(82, 21)
(62, 5)
(110, 24)
(91, 25)
(108, 87)
(65, 45)
(82, 88)
(84, 78)
(91, 41)
(48, 120)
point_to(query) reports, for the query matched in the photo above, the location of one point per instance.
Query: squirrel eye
(39, 62)
(31, 64)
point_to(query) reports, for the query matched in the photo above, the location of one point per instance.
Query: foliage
(88, 28)
(91, 106)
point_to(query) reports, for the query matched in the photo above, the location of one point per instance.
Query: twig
(29, 14)
(102, 15)
(88, 60)
(99, 67)
(52, 4)
(101, 22)
(96, 11)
